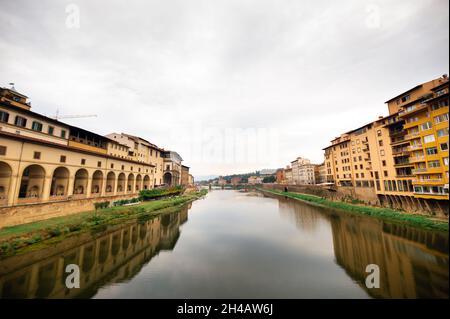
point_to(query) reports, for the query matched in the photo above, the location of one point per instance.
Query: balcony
(419, 170)
(415, 147)
(397, 133)
(416, 159)
(402, 163)
(401, 152)
(431, 194)
(399, 142)
(428, 181)
(413, 109)
(411, 136)
(404, 176)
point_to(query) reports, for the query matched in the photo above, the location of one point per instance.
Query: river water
(238, 245)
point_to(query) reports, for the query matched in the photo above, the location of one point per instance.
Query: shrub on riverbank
(149, 194)
(122, 202)
(15, 239)
(384, 213)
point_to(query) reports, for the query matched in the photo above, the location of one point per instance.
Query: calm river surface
(238, 245)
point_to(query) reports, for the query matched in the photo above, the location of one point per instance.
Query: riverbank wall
(22, 214)
(366, 196)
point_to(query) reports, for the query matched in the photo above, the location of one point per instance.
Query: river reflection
(111, 257)
(413, 263)
(238, 245)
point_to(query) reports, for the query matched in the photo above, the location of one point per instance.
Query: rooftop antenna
(12, 86)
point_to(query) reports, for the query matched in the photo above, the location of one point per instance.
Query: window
(123, 167)
(63, 133)
(2, 150)
(379, 133)
(441, 118)
(442, 132)
(4, 117)
(20, 121)
(383, 162)
(112, 165)
(377, 176)
(445, 160)
(51, 130)
(431, 151)
(37, 155)
(444, 147)
(36, 126)
(428, 138)
(99, 164)
(62, 159)
(380, 142)
(83, 161)
(385, 173)
(434, 164)
(382, 152)
(425, 126)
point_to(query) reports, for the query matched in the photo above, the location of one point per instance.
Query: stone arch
(80, 182)
(130, 183)
(121, 183)
(97, 183)
(110, 182)
(146, 184)
(138, 183)
(32, 182)
(167, 179)
(60, 182)
(5, 180)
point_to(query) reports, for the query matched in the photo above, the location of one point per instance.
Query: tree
(269, 179)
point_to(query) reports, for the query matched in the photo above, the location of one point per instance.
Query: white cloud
(309, 70)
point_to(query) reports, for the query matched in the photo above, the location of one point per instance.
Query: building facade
(280, 176)
(402, 158)
(172, 168)
(44, 160)
(253, 180)
(184, 175)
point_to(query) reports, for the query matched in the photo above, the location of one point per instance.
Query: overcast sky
(233, 86)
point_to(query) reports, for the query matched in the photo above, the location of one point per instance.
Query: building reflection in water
(111, 257)
(413, 263)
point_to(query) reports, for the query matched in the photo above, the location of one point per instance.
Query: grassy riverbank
(415, 220)
(17, 239)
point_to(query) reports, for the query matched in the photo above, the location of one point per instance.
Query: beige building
(172, 168)
(191, 180)
(288, 175)
(44, 160)
(184, 175)
(140, 150)
(253, 180)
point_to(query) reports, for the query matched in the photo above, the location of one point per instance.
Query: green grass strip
(415, 220)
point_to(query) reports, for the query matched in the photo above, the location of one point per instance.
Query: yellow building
(425, 123)
(43, 160)
(401, 159)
